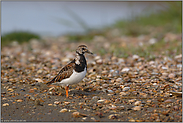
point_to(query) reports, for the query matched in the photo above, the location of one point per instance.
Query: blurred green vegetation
(169, 18)
(19, 36)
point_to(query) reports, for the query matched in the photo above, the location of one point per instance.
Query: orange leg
(66, 89)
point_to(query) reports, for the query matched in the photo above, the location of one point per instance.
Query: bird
(74, 71)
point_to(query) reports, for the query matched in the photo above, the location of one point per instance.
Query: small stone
(151, 62)
(66, 103)
(137, 103)
(105, 85)
(178, 57)
(57, 102)
(97, 57)
(168, 101)
(122, 93)
(164, 68)
(113, 116)
(63, 110)
(19, 100)
(126, 88)
(4, 98)
(10, 89)
(143, 95)
(50, 104)
(137, 108)
(179, 65)
(118, 79)
(5, 104)
(176, 108)
(171, 75)
(168, 106)
(131, 101)
(31, 91)
(39, 80)
(39, 71)
(51, 88)
(165, 74)
(77, 114)
(131, 120)
(110, 91)
(121, 60)
(121, 108)
(125, 69)
(84, 118)
(92, 118)
(99, 61)
(135, 57)
(100, 101)
(149, 101)
(65, 60)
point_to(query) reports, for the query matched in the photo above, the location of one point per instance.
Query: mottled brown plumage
(64, 73)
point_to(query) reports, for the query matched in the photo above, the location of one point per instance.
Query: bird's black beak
(89, 52)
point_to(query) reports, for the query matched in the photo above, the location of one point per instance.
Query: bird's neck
(80, 58)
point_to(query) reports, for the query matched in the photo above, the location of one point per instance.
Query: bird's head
(83, 49)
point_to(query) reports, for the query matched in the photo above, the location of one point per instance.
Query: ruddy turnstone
(74, 71)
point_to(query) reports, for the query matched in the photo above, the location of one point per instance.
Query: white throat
(77, 59)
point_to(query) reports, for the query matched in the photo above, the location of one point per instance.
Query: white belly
(74, 78)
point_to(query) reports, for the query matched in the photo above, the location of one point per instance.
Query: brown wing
(65, 72)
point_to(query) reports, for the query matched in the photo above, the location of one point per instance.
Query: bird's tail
(52, 81)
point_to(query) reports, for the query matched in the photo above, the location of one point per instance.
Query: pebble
(10, 89)
(137, 108)
(131, 101)
(99, 61)
(78, 114)
(19, 100)
(92, 118)
(168, 101)
(178, 57)
(126, 88)
(57, 102)
(171, 75)
(125, 69)
(122, 93)
(5, 104)
(135, 57)
(118, 79)
(39, 71)
(113, 116)
(100, 101)
(110, 91)
(137, 103)
(66, 103)
(63, 110)
(165, 74)
(39, 80)
(31, 91)
(176, 108)
(121, 107)
(105, 85)
(149, 101)
(164, 68)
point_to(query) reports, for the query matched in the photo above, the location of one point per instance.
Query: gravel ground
(115, 89)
